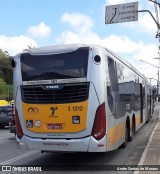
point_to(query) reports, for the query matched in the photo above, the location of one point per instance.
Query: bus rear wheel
(132, 132)
(126, 137)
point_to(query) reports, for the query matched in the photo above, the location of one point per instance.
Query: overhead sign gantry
(126, 12)
(121, 13)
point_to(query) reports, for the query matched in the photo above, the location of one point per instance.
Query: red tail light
(99, 126)
(18, 126)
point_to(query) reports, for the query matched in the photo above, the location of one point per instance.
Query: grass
(6, 91)
(2, 81)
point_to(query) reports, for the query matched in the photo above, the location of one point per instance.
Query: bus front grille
(67, 93)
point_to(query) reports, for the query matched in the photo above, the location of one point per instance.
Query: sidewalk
(151, 154)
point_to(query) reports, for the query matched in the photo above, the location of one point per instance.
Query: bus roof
(63, 48)
(55, 48)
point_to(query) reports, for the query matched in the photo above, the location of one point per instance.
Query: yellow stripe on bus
(138, 120)
(116, 133)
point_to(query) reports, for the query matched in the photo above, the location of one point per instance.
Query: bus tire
(132, 131)
(126, 137)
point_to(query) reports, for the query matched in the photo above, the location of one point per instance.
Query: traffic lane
(7, 139)
(5, 135)
(5, 132)
(9, 151)
(128, 156)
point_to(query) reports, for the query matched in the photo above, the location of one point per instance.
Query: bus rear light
(18, 126)
(99, 126)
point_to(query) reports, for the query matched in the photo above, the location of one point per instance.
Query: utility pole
(158, 80)
(157, 21)
(158, 86)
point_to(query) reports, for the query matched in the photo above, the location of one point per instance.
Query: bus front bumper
(88, 144)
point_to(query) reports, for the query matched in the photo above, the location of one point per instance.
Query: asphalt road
(81, 162)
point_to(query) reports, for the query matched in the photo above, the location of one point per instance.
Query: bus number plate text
(55, 126)
(75, 108)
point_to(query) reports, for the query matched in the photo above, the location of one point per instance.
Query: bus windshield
(55, 66)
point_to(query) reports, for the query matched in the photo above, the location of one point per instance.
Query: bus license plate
(55, 126)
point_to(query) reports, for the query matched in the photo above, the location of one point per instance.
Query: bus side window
(109, 97)
(114, 88)
(108, 86)
(113, 74)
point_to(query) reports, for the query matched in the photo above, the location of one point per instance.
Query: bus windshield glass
(55, 66)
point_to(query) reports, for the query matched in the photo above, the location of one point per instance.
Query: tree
(3, 54)
(29, 47)
(6, 72)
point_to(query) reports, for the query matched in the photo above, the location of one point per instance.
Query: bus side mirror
(14, 63)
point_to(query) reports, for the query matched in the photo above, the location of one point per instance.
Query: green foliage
(6, 91)
(6, 71)
(6, 76)
(3, 54)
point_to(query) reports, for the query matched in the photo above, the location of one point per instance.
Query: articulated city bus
(77, 98)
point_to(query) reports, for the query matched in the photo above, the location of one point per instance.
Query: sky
(39, 23)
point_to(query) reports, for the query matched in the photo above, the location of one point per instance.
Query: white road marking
(18, 158)
(6, 137)
(146, 149)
